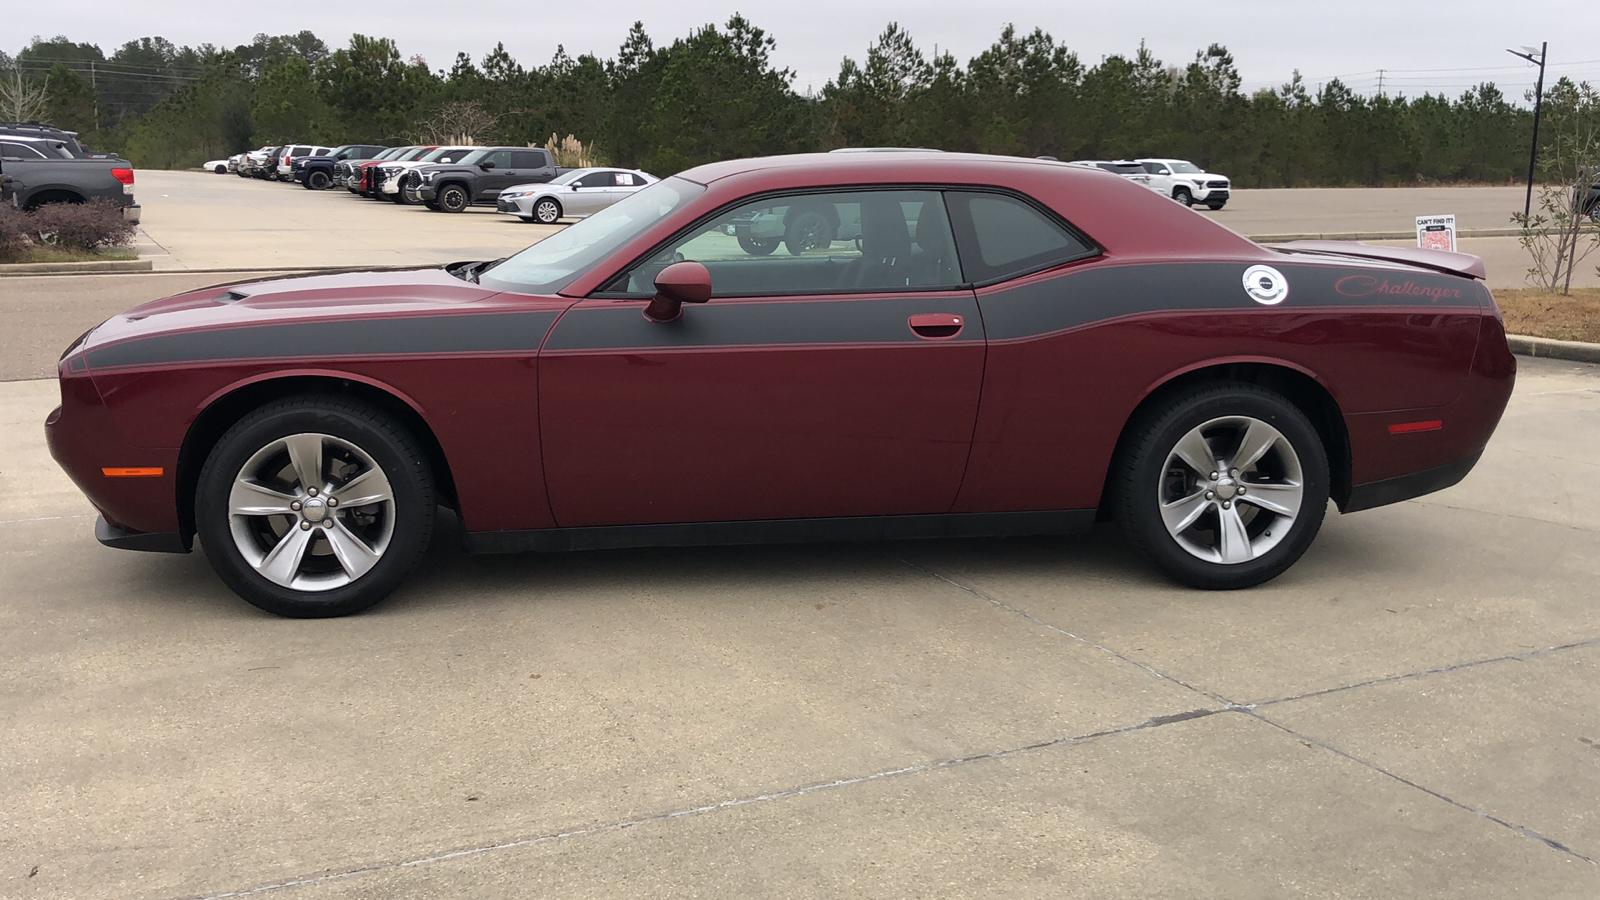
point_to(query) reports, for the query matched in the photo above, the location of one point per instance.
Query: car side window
(19, 151)
(1002, 237)
(500, 158)
(527, 159)
(826, 243)
(597, 180)
(300, 151)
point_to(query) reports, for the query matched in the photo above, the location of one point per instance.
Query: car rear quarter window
(19, 151)
(527, 159)
(1001, 237)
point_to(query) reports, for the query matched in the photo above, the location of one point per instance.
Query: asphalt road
(1413, 711)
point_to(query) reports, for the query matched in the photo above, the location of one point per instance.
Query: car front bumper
(521, 207)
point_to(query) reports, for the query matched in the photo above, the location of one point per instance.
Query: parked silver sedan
(573, 194)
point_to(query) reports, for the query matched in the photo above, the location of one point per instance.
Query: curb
(90, 267)
(1548, 348)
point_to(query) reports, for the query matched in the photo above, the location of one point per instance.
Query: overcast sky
(1421, 44)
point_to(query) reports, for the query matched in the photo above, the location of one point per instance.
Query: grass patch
(63, 254)
(1540, 314)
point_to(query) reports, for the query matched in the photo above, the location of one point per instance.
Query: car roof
(893, 165)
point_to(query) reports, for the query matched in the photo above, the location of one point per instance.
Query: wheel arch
(226, 407)
(52, 194)
(1300, 387)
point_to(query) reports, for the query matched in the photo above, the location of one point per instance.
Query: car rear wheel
(1222, 487)
(315, 506)
(758, 246)
(318, 180)
(1182, 195)
(807, 231)
(453, 198)
(547, 212)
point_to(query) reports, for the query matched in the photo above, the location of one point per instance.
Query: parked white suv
(1128, 169)
(287, 156)
(1186, 182)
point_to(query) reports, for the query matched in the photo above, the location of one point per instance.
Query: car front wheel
(315, 506)
(1215, 205)
(1182, 195)
(453, 198)
(547, 212)
(317, 180)
(1223, 486)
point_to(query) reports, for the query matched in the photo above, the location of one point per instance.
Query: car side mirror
(486, 165)
(677, 284)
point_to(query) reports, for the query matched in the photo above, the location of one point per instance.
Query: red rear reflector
(123, 175)
(1410, 427)
(132, 471)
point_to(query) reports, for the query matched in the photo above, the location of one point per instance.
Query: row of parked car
(520, 181)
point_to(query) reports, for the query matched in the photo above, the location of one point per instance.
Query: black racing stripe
(486, 333)
(722, 323)
(1090, 294)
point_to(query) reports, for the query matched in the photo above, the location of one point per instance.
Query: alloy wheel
(311, 512)
(1231, 490)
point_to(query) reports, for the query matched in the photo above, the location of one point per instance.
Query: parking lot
(199, 221)
(1411, 711)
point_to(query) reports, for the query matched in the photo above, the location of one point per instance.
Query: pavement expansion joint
(771, 796)
(1423, 673)
(1059, 630)
(1519, 829)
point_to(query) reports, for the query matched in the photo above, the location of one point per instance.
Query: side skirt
(784, 531)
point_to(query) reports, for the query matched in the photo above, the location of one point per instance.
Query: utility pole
(1380, 82)
(94, 85)
(1538, 103)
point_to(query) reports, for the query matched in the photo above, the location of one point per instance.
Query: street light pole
(1538, 103)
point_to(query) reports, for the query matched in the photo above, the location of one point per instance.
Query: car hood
(292, 299)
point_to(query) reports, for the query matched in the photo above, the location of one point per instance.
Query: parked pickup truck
(479, 177)
(31, 183)
(316, 172)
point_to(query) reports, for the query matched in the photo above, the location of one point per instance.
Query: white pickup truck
(1186, 182)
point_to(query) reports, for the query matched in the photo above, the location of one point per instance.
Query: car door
(843, 381)
(588, 195)
(501, 175)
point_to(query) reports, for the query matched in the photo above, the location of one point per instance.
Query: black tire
(318, 180)
(1215, 205)
(453, 198)
(1141, 474)
(399, 198)
(758, 246)
(396, 453)
(547, 211)
(1183, 196)
(431, 204)
(220, 170)
(808, 230)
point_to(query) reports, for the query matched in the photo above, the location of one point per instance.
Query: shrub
(81, 226)
(13, 233)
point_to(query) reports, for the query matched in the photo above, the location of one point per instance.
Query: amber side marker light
(1412, 427)
(132, 472)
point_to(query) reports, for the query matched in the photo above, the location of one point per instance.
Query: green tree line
(717, 94)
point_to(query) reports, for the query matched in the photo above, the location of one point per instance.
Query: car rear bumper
(131, 213)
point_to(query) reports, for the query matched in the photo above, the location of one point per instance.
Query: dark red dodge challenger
(944, 345)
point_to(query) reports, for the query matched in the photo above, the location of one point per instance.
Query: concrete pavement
(1411, 711)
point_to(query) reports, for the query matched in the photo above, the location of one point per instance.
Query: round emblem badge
(1265, 285)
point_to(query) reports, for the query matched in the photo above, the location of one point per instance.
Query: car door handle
(936, 326)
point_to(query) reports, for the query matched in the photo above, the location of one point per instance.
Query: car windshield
(1186, 168)
(390, 153)
(473, 158)
(554, 262)
(413, 154)
(569, 177)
